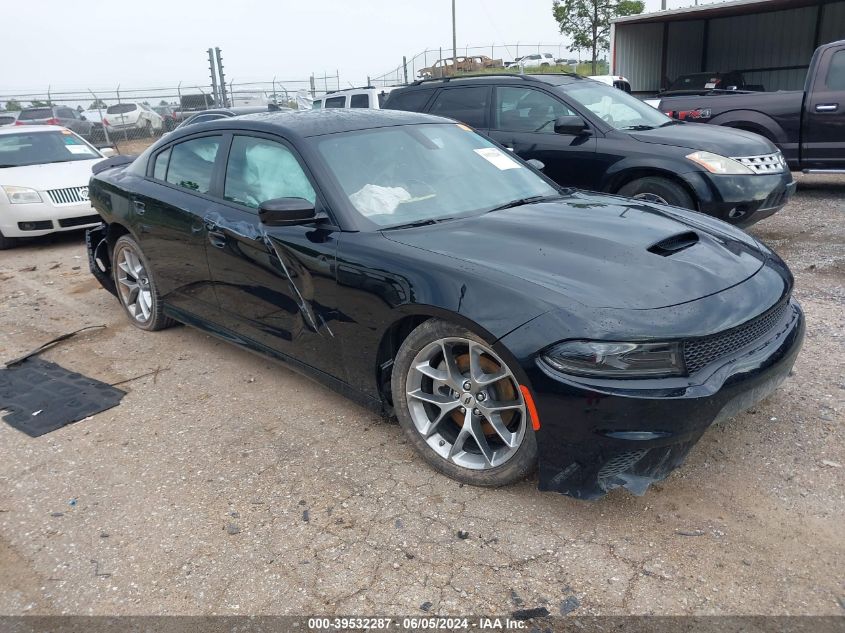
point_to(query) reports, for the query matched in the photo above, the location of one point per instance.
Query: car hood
(711, 138)
(49, 175)
(601, 251)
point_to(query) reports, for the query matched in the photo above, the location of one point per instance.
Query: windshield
(616, 107)
(417, 173)
(37, 148)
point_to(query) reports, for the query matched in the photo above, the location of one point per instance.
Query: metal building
(769, 41)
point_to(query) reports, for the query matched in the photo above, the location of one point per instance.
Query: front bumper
(33, 220)
(595, 436)
(741, 200)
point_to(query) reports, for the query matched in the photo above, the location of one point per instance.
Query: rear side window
(5, 120)
(192, 163)
(160, 166)
(359, 101)
(836, 71)
(411, 101)
(36, 113)
(121, 108)
(336, 102)
(468, 105)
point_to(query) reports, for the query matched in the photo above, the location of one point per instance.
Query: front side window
(836, 72)
(468, 105)
(192, 163)
(335, 102)
(359, 101)
(317, 105)
(527, 110)
(425, 172)
(615, 107)
(259, 170)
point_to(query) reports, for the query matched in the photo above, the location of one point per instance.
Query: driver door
(523, 121)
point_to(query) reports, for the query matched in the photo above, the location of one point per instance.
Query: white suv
(353, 98)
(538, 59)
(132, 117)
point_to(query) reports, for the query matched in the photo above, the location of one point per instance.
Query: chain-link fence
(426, 63)
(108, 115)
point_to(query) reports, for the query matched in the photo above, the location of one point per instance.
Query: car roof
(305, 123)
(352, 91)
(32, 128)
(555, 79)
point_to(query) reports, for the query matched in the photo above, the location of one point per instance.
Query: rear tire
(7, 242)
(658, 190)
(136, 288)
(430, 389)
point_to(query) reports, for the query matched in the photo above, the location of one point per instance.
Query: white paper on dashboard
(497, 158)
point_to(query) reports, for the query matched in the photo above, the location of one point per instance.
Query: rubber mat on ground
(39, 396)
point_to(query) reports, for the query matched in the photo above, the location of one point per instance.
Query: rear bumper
(595, 437)
(741, 200)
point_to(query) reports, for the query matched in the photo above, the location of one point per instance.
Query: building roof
(715, 10)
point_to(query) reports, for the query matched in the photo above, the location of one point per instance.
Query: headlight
(21, 195)
(716, 164)
(616, 360)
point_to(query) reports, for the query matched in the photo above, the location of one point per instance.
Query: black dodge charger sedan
(421, 269)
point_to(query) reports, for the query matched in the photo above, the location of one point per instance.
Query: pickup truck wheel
(658, 190)
(7, 242)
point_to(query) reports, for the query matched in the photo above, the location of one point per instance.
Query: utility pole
(663, 5)
(215, 94)
(223, 97)
(455, 37)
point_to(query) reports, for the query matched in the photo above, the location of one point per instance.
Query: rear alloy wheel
(148, 129)
(136, 287)
(658, 190)
(461, 406)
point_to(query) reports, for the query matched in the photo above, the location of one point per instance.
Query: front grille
(80, 221)
(701, 352)
(70, 195)
(764, 164)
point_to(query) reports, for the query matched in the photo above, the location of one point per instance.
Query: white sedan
(44, 173)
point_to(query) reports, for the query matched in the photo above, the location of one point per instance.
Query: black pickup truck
(808, 126)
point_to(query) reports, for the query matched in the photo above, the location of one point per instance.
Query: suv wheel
(658, 190)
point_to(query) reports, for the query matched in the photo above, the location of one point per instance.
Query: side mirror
(571, 124)
(536, 164)
(108, 152)
(286, 212)
(81, 116)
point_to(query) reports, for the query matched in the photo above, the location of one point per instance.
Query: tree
(36, 103)
(587, 22)
(98, 104)
(12, 105)
(163, 103)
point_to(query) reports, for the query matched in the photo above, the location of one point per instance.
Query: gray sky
(100, 43)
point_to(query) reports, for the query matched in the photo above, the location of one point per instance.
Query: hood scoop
(674, 244)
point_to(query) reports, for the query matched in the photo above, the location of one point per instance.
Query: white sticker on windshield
(497, 158)
(77, 149)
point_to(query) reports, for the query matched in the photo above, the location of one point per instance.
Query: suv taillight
(52, 121)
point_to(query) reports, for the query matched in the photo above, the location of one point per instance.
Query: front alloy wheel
(462, 406)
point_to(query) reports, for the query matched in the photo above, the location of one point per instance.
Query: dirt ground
(231, 485)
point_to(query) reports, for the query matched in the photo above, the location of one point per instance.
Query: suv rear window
(121, 108)
(31, 114)
(411, 101)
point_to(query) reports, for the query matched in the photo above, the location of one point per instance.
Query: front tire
(136, 287)
(658, 190)
(461, 406)
(7, 242)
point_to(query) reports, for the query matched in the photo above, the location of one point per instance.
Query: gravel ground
(229, 485)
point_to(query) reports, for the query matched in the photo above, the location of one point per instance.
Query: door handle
(827, 107)
(217, 239)
(140, 207)
(509, 148)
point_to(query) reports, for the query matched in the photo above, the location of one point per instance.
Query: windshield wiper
(639, 127)
(670, 122)
(425, 222)
(522, 201)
